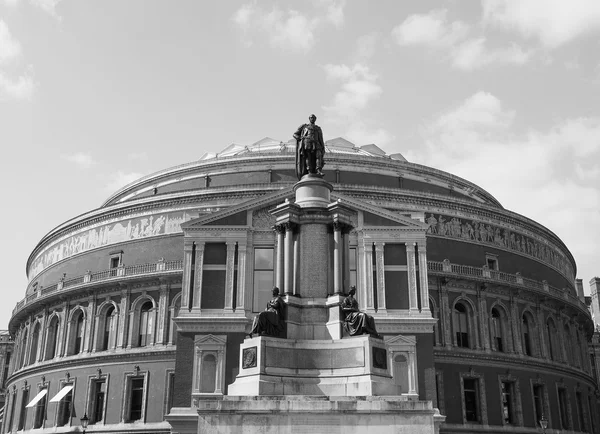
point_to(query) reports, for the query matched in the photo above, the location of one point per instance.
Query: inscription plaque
(379, 358)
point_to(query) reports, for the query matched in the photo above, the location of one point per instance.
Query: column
(229, 273)
(241, 280)
(445, 313)
(412, 276)
(163, 318)
(483, 318)
(296, 265)
(187, 274)
(346, 259)
(412, 374)
(289, 259)
(62, 329)
(198, 274)
(280, 254)
(541, 327)
(366, 290)
(423, 279)
(123, 323)
(380, 277)
(337, 257)
(515, 325)
(89, 332)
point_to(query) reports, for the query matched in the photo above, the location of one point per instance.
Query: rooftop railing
(485, 274)
(88, 278)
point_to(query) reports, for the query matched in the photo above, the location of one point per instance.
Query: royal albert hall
(134, 312)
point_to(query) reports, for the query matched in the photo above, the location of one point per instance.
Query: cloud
(429, 29)
(432, 30)
(120, 179)
(362, 133)
(549, 176)
(287, 29)
(473, 54)
(366, 46)
(10, 48)
(83, 160)
(20, 88)
(552, 22)
(48, 6)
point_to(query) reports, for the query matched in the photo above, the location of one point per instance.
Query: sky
(94, 94)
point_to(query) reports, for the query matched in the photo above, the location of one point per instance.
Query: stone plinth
(312, 192)
(313, 260)
(314, 415)
(314, 318)
(357, 366)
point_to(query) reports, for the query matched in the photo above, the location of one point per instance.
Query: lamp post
(84, 422)
(544, 423)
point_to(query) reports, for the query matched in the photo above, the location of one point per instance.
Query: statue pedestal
(357, 366)
(317, 414)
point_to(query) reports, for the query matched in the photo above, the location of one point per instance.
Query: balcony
(90, 279)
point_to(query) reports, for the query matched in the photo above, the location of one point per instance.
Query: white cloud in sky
(288, 29)
(433, 30)
(81, 159)
(366, 46)
(120, 179)
(19, 88)
(553, 22)
(545, 175)
(10, 48)
(49, 6)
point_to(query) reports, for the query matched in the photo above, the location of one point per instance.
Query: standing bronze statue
(357, 322)
(310, 149)
(270, 321)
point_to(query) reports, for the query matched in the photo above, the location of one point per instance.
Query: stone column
(445, 314)
(412, 276)
(515, 326)
(279, 271)
(241, 279)
(229, 273)
(346, 259)
(412, 374)
(289, 259)
(541, 328)
(337, 257)
(367, 277)
(186, 283)
(198, 274)
(380, 277)
(89, 332)
(296, 265)
(123, 317)
(423, 279)
(62, 330)
(163, 318)
(482, 318)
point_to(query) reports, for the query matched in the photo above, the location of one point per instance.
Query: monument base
(314, 415)
(356, 366)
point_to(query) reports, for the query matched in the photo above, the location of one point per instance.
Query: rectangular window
(97, 396)
(65, 409)
(538, 402)
(263, 277)
(352, 267)
(508, 407)
(136, 401)
(23, 412)
(491, 260)
(213, 276)
(471, 397)
(562, 404)
(579, 403)
(396, 276)
(40, 411)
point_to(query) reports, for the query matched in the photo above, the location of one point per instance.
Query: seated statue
(270, 321)
(357, 322)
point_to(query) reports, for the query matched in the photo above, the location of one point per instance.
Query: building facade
(135, 312)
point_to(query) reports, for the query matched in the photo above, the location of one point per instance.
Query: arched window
(52, 338)
(208, 374)
(551, 339)
(35, 338)
(145, 328)
(527, 336)
(496, 330)
(460, 325)
(76, 333)
(108, 327)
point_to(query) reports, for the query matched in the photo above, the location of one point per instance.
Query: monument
(313, 362)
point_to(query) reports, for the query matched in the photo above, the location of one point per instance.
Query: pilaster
(163, 319)
(515, 327)
(482, 334)
(424, 281)
(241, 278)
(89, 329)
(198, 274)
(412, 276)
(541, 332)
(62, 330)
(279, 267)
(188, 248)
(337, 257)
(367, 278)
(123, 314)
(229, 274)
(288, 268)
(381, 307)
(445, 314)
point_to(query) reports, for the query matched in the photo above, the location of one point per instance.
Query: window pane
(263, 259)
(137, 396)
(263, 286)
(471, 404)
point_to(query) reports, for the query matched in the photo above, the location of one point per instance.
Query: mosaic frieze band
(150, 225)
(472, 230)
